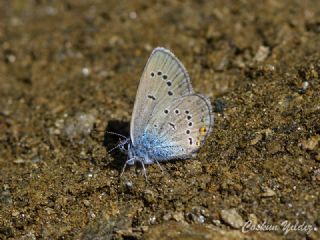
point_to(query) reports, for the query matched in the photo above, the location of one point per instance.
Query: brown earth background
(69, 70)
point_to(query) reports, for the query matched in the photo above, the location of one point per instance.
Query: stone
(232, 218)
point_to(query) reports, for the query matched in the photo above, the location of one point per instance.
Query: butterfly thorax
(142, 149)
(150, 148)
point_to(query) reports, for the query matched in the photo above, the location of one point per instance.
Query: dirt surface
(69, 70)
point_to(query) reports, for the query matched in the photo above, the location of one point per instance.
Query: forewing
(164, 78)
(182, 127)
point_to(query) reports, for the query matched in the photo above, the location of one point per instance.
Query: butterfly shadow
(110, 141)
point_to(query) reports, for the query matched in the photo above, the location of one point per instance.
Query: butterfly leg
(144, 170)
(161, 168)
(125, 165)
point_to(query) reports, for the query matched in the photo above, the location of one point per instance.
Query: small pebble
(274, 147)
(11, 58)
(303, 88)
(167, 216)
(232, 218)
(29, 236)
(49, 210)
(216, 222)
(80, 125)
(152, 220)
(133, 15)
(149, 196)
(14, 213)
(86, 203)
(201, 219)
(128, 184)
(253, 218)
(5, 196)
(311, 143)
(262, 53)
(85, 72)
(268, 192)
(19, 160)
(305, 85)
(257, 139)
(178, 216)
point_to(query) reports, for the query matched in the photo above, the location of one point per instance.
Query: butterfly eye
(164, 77)
(159, 73)
(187, 112)
(190, 124)
(189, 117)
(152, 74)
(188, 131)
(169, 83)
(177, 111)
(190, 141)
(166, 111)
(170, 93)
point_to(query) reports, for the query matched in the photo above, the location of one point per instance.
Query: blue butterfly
(169, 120)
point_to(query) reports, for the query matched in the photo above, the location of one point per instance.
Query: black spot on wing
(151, 97)
(172, 125)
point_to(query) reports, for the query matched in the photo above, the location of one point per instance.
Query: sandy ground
(69, 70)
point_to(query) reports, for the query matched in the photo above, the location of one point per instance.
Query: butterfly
(169, 120)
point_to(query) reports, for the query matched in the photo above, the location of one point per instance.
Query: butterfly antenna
(112, 149)
(119, 145)
(117, 134)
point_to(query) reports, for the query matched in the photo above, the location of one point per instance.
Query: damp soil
(69, 71)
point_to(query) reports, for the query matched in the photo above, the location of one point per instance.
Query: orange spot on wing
(202, 130)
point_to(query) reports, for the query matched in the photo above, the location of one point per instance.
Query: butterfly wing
(180, 129)
(164, 78)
